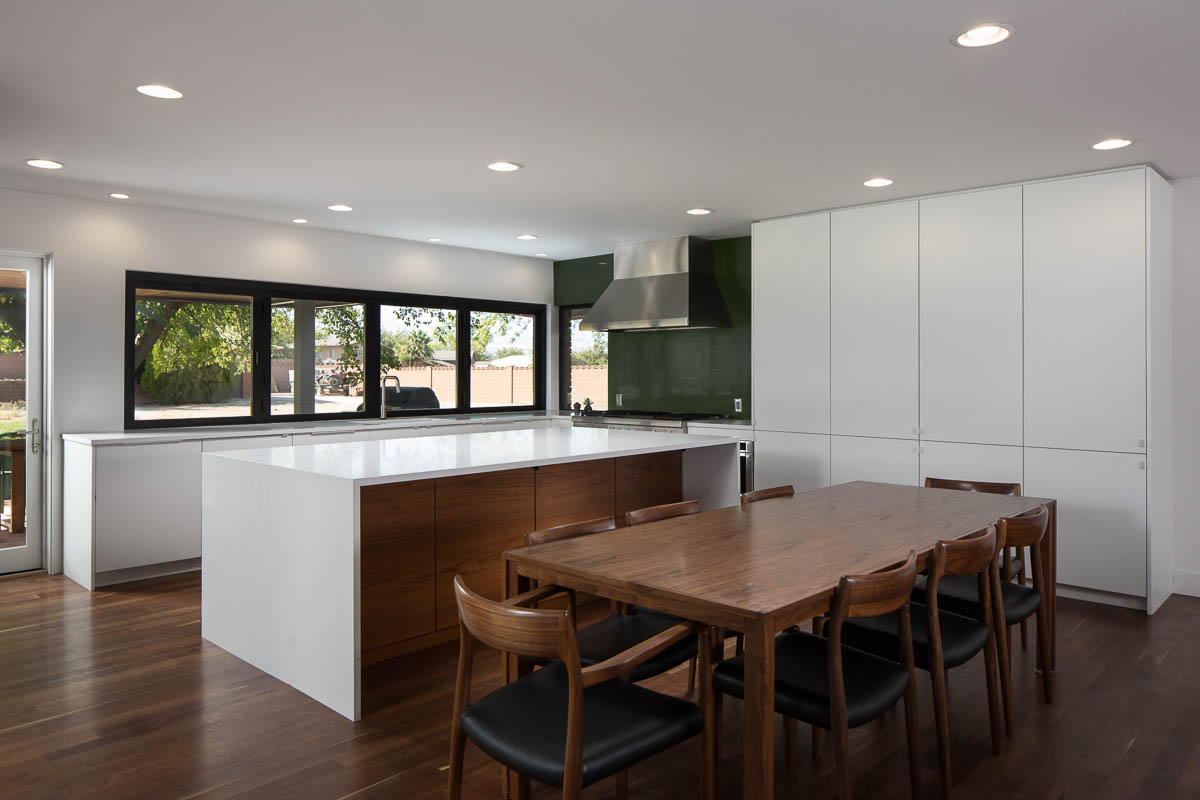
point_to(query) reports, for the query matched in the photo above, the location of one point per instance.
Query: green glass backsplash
(696, 371)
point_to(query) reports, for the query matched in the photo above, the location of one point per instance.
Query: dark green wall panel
(580, 281)
(698, 371)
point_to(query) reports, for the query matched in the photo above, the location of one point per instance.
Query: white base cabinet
(1101, 515)
(799, 459)
(859, 458)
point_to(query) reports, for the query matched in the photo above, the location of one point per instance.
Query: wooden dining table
(764, 567)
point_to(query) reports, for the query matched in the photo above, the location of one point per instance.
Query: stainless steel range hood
(664, 284)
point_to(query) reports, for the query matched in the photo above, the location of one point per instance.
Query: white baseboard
(1186, 581)
(1097, 596)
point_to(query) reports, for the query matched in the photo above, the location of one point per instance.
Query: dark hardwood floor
(113, 694)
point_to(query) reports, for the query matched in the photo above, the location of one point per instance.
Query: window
(206, 351)
(317, 349)
(583, 362)
(502, 360)
(192, 354)
(418, 358)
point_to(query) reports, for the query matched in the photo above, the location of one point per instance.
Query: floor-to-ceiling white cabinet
(1015, 334)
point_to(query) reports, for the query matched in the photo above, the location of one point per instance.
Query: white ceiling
(625, 112)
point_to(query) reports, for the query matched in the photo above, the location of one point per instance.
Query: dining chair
(960, 595)
(942, 640)
(1012, 564)
(641, 516)
(665, 511)
(565, 725)
(767, 494)
(834, 687)
(624, 627)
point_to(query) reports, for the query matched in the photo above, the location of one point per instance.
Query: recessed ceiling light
(504, 166)
(878, 183)
(44, 163)
(300, 221)
(984, 35)
(159, 91)
(699, 212)
(1112, 144)
(542, 255)
(527, 237)
(341, 207)
(118, 196)
(434, 239)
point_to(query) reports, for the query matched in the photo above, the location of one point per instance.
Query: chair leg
(1024, 634)
(994, 713)
(708, 646)
(1004, 662)
(718, 704)
(790, 734)
(739, 646)
(1043, 649)
(841, 758)
(913, 737)
(622, 784)
(941, 719)
(458, 743)
(691, 676)
(816, 743)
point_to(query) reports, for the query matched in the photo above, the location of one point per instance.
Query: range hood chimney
(667, 284)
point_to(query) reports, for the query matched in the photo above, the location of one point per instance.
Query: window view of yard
(13, 422)
(316, 356)
(588, 379)
(501, 360)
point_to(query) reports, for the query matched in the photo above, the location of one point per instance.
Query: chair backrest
(534, 632)
(986, 487)
(767, 494)
(1027, 529)
(665, 511)
(978, 555)
(873, 594)
(570, 530)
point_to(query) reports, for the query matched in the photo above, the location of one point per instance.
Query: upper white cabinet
(858, 458)
(971, 317)
(1085, 312)
(790, 324)
(873, 322)
(799, 459)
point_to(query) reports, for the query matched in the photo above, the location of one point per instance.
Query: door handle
(35, 435)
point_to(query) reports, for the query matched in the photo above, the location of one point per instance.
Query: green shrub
(211, 383)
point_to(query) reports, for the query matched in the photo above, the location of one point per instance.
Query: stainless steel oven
(746, 465)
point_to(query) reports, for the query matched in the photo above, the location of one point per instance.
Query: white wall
(1186, 312)
(93, 243)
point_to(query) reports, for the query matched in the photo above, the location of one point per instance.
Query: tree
(191, 351)
(596, 355)
(485, 327)
(12, 320)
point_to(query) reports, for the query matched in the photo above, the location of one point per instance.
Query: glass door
(20, 413)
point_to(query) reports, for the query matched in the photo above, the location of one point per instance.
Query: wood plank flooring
(113, 694)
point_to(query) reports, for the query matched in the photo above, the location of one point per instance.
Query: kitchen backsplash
(700, 371)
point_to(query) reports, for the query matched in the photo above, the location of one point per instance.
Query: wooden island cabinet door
(648, 480)
(574, 492)
(397, 563)
(478, 518)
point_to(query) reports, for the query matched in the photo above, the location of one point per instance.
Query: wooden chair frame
(514, 628)
(786, 490)
(641, 516)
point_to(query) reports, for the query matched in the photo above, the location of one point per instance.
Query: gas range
(657, 421)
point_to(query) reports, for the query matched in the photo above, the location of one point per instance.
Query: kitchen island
(319, 560)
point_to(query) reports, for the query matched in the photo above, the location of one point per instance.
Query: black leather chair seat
(524, 725)
(962, 637)
(617, 633)
(959, 594)
(728, 633)
(873, 684)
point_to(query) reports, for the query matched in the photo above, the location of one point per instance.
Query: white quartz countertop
(389, 460)
(161, 435)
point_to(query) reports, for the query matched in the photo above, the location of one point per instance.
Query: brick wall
(590, 381)
(12, 365)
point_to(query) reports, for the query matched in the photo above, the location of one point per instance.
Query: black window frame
(564, 353)
(262, 292)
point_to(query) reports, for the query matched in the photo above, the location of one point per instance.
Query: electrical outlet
(618, 398)
(737, 405)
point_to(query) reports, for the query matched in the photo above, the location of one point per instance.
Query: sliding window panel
(857, 458)
(971, 317)
(418, 358)
(874, 331)
(790, 324)
(192, 355)
(317, 349)
(503, 359)
(1085, 313)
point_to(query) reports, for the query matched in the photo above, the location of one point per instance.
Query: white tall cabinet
(1017, 333)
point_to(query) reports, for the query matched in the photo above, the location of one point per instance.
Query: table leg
(1050, 560)
(513, 784)
(759, 732)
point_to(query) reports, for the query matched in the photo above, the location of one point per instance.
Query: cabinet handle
(1141, 465)
(1141, 442)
